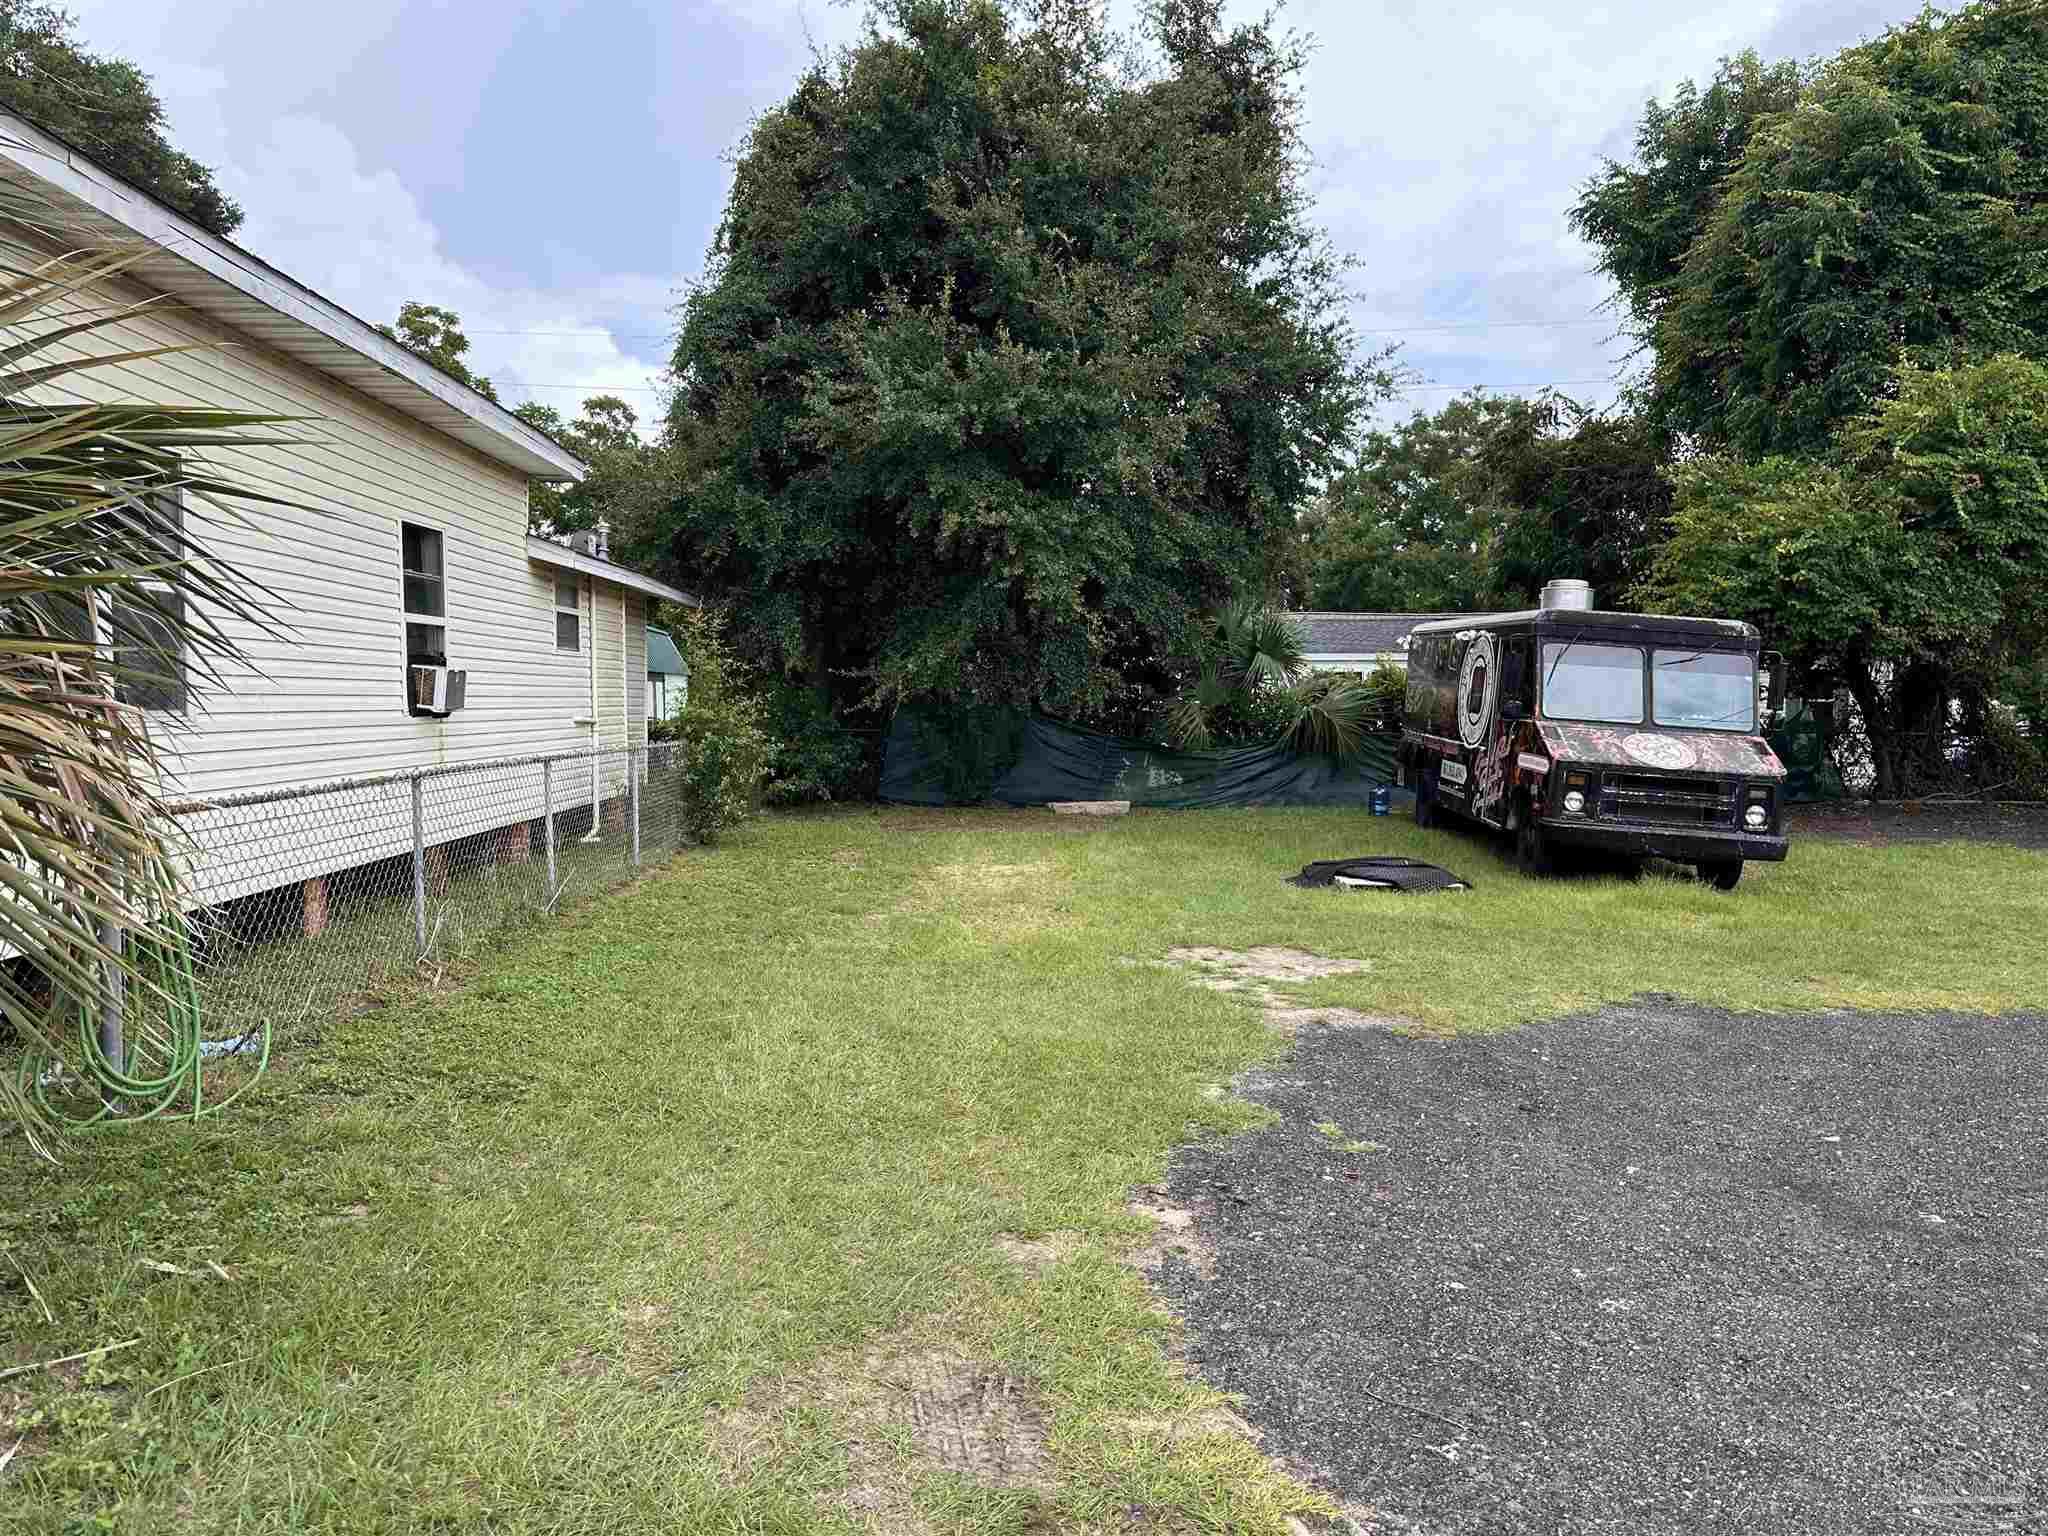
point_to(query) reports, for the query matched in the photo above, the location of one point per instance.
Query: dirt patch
(1177, 1237)
(584, 1365)
(1249, 972)
(1037, 1253)
(975, 1420)
(958, 1414)
(1267, 963)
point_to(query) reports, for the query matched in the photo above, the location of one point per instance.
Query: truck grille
(1670, 802)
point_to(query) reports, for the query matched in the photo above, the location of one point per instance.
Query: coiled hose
(165, 1050)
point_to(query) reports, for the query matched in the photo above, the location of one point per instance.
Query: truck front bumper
(1651, 840)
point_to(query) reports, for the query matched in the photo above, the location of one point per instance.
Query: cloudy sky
(553, 170)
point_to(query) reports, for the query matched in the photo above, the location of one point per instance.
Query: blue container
(1382, 800)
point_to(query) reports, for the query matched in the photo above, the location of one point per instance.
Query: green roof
(662, 655)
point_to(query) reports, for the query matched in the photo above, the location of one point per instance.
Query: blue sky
(553, 170)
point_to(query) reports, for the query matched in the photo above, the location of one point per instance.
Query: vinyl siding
(323, 697)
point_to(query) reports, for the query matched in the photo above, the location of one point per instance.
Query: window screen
(568, 614)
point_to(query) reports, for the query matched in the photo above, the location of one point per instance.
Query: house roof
(1351, 635)
(662, 655)
(218, 279)
(562, 558)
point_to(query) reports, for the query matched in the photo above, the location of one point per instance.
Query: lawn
(644, 1226)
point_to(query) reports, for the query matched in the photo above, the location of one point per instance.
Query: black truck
(1637, 735)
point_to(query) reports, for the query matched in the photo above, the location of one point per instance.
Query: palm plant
(1260, 654)
(103, 592)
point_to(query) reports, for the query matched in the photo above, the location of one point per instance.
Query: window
(1714, 691)
(568, 614)
(1602, 683)
(1475, 693)
(146, 627)
(426, 602)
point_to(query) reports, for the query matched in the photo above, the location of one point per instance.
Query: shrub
(721, 730)
(814, 757)
(1386, 692)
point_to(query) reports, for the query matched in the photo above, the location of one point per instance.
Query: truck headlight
(1574, 802)
(1756, 818)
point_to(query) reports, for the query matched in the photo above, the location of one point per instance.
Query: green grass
(531, 1255)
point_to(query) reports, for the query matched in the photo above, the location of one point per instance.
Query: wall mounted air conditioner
(438, 690)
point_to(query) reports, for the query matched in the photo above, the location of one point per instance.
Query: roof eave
(211, 275)
(562, 558)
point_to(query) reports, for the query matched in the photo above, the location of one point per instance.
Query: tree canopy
(626, 483)
(1907, 562)
(1016, 355)
(434, 333)
(1785, 243)
(104, 106)
(1477, 505)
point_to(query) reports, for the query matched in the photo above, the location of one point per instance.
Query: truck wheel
(1721, 874)
(1425, 800)
(1532, 847)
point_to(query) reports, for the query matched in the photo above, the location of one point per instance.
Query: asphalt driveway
(1655, 1269)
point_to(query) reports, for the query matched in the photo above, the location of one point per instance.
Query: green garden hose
(165, 1050)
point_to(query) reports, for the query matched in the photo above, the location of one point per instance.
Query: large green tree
(434, 333)
(1784, 245)
(627, 484)
(1478, 504)
(1017, 353)
(1907, 563)
(1410, 527)
(104, 106)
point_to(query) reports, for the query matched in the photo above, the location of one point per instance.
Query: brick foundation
(313, 907)
(515, 843)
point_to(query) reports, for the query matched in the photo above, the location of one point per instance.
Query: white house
(1358, 642)
(406, 544)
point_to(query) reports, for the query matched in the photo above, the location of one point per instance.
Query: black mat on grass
(1378, 872)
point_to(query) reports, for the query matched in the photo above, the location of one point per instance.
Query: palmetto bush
(104, 596)
(1258, 671)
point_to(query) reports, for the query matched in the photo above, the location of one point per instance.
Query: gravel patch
(1659, 1268)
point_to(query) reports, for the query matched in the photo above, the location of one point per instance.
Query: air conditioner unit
(438, 690)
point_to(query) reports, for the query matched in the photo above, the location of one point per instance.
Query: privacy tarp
(1801, 742)
(1041, 760)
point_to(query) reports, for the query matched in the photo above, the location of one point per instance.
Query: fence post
(419, 865)
(633, 797)
(547, 801)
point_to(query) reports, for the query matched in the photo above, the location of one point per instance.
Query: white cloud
(1450, 138)
(359, 237)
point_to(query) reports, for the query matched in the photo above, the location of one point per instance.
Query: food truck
(1632, 734)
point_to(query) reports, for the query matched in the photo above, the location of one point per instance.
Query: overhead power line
(652, 389)
(1410, 329)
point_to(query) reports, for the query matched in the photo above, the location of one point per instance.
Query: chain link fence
(310, 896)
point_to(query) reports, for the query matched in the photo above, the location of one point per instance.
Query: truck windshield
(1592, 682)
(1711, 690)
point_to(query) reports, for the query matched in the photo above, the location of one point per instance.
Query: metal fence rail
(305, 898)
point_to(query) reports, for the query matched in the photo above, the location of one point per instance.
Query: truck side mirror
(1511, 709)
(1771, 706)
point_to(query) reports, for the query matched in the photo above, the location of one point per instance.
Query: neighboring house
(1358, 642)
(406, 546)
(668, 680)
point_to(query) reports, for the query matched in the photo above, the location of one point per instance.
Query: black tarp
(1042, 760)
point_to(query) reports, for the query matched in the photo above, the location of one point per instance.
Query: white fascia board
(547, 552)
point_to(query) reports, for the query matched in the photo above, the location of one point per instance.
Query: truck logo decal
(1451, 773)
(1528, 762)
(1655, 751)
(1478, 682)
